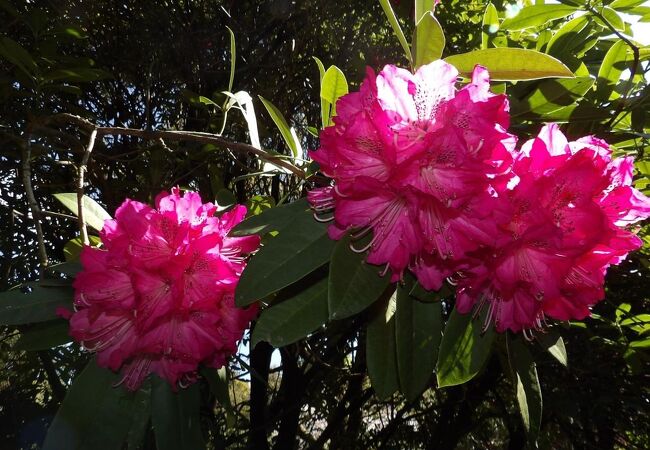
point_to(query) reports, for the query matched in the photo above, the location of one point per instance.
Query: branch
(33, 203)
(192, 136)
(80, 187)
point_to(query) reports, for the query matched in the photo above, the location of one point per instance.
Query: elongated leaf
(94, 414)
(616, 60)
(490, 25)
(233, 59)
(218, 381)
(611, 17)
(296, 251)
(422, 7)
(464, 349)
(418, 331)
(324, 104)
(428, 40)
(419, 293)
(510, 64)
(272, 219)
(94, 214)
(567, 34)
(397, 29)
(553, 343)
(289, 138)
(44, 336)
(333, 86)
(13, 52)
(175, 416)
(381, 350)
(293, 318)
(551, 95)
(537, 15)
(529, 392)
(353, 284)
(37, 305)
(72, 249)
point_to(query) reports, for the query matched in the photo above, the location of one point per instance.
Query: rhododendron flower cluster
(159, 296)
(559, 227)
(430, 173)
(413, 159)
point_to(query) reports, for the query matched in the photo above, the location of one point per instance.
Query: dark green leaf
(175, 416)
(218, 381)
(529, 392)
(536, 15)
(353, 284)
(233, 59)
(44, 336)
(551, 95)
(293, 318)
(616, 60)
(289, 138)
(257, 204)
(381, 350)
(299, 248)
(94, 414)
(464, 349)
(566, 36)
(37, 305)
(273, 219)
(552, 342)
(418, 292)
(510, 64)
(418, 331)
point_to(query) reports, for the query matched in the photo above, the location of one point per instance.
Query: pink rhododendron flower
(159, 296)
(414, 163)
(560, 224)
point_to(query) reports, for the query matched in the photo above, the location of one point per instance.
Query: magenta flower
(414, 163)
(560, 225)
(159, 296)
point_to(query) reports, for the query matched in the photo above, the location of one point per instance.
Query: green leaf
(233, 59)
(294, 318)
(273, 219)
(289, 138)
(94, 414)
(510, 64)
(72, 248)
(418, 331)
(333, 86)
(529, 392)
(175, 416)
(44, 336)
(490, 26)
(299, 248)
(422, 7)
(639, 323)
(551, 95)
(611, 17)
(77, 74)
(94, 214)
(552, 342)
(566, 36)
(38, 305)
(257, 204)
(324, 104)
(537, 15)
(616, 60)
(464, 349)
(622, 5)
(428, 40)
(644, 343)
(70, 269)
(353, 284)
(218, 381)
(13, 52)
(419, 293)
(392, 19)
(381, 350)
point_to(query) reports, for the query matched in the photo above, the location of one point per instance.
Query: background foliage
(163, 65)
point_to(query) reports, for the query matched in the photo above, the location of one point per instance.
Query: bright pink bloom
(560, 226)
(415, 161)
(159, 296)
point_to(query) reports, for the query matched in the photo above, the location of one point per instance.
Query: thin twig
(80, 186)
(192, 136)
(33, 203)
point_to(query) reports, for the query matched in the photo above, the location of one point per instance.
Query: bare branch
(80, 186)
